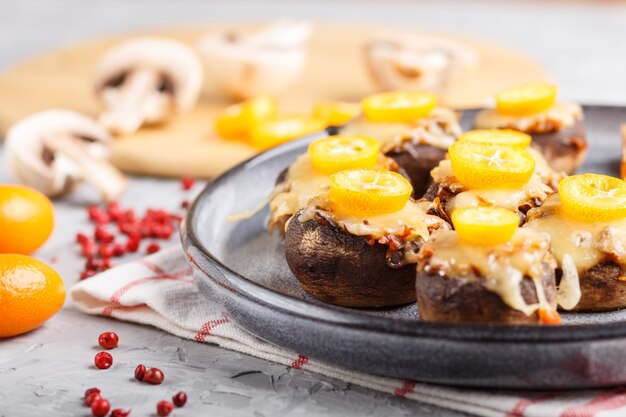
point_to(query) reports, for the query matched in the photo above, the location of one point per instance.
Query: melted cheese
(501, 268)
(411, 216)
(439, 129)
(302, 183)
(510, 199)
(587, 243)
(410, 224)
(560, 115)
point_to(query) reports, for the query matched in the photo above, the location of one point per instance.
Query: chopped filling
(440, 129)
(557, 117)
(588, 243)
(454, 195)
(403, 232)
(500, 268)
(303, 182)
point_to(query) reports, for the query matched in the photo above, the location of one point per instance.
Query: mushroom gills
(75, 156)
(142, 97)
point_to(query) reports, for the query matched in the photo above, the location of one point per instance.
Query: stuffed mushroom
(356, 246)
(309, 175)
(587, 222)
(487, 271)
(480, 174)
(557, 127)
(412, 131)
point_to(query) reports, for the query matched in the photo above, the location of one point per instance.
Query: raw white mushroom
(55, 150)
(418, 62)
(267, 61)
(146, 80)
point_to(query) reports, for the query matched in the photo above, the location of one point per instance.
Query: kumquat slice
(398, 106)
(236, 121)
(369, 191)
(335, 113)
(336, 153)
(502, 137)
(480, 166)
(593, 197)
(526, 99)
(484, 226)
(282, 129)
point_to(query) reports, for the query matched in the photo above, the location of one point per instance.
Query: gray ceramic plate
(244, 269)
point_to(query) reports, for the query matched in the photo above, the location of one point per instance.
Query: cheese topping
(302, 183)
(500, 268)
(587, 243)
(398, 230)
(561, 115)
(440, 129)
(511, 199)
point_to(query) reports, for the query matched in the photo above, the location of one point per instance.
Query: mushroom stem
(107, 179)
(134, 103)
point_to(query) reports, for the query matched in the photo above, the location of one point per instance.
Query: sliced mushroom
(55, 150)
(267, 61)
(418, 62)
(145, 80)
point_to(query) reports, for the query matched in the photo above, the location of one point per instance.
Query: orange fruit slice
(336, 153)
(501, 137)
(30, 293)
(26, 219)
(398, 106)
(335, 113)
(282, 129)
(236, 121)
(593, 197)
(484, 226)
(369, 191)
(526, 99)
(479, 166)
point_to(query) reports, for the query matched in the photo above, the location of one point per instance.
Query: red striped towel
(160, 291)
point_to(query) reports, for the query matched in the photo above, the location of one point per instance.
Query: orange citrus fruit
(480, 166)
(369, 191)
(593, 197)
(30, 293)
(398, 106)
(282, 129)
(336, 153)
(484, 226)
(236, 121)
(502, 137)
(335, 113)
(526, 99)
(26, 219)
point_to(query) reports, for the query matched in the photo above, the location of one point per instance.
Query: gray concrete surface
(46, 371)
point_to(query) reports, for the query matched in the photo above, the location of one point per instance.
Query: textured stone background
(46, 371)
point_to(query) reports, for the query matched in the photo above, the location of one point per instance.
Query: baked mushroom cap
(266, 61)
(467, 300)
(145, 80)
(55, 150)
(343, 269)
(418, 62)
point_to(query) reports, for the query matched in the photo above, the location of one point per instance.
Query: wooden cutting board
(187, 145)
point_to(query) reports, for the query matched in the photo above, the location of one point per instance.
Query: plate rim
(358, 319)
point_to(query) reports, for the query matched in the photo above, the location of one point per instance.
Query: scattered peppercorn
(154, 376)
(108, 340)
(179, 399)
(100, 407)
(164, 408)
(103, 360)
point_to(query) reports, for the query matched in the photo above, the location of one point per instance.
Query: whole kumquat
(26, 219)
(30, 293)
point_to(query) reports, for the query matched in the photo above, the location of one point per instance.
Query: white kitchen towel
(160, 291)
